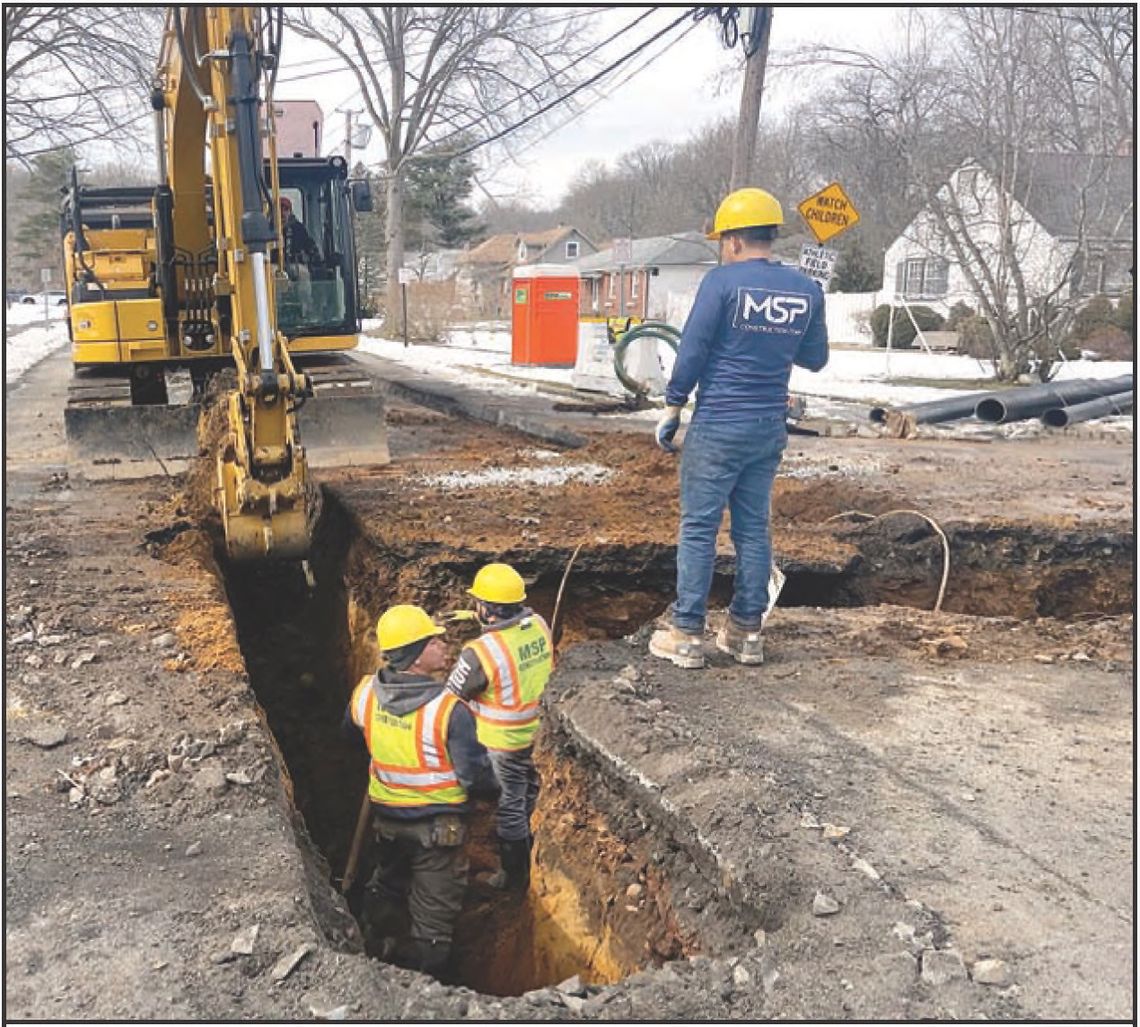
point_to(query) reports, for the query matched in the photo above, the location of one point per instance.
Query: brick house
(659, 282)
(485, 270)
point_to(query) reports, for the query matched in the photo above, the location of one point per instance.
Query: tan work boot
(674, 645)
(744, 645)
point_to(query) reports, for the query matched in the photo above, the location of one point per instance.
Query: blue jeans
(730, 463)
(519, 782)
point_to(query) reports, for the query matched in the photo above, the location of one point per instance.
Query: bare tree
(429, 74)
(972, 116)
(76, 74)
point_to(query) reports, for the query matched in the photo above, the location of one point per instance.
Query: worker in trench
(426, 762)
(752, 320)
(502, 675)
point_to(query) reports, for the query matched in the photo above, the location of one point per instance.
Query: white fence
(849, 315)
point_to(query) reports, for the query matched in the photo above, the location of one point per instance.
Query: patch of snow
(591, 474)
(32, 313)
(28, 347)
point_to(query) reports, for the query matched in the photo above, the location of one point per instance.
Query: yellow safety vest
(517, 661)
(410, 762)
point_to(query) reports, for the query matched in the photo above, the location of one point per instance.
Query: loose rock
(193, 849)
(760, 936)
(115, 699)
(741, 977)
(166, 640)
(809, 821)
(834, 832)
(211, 779)
(243, 944)
(898, 970)
(991, 971)
(634, 891)
(82, 659)
(572, 986)
(46, 736)
(287, 964)
(865, 868)
(940, 966)
(824, 905)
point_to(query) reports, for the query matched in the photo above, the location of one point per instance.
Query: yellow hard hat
(746, 208)
(498, 583)
(402, 625)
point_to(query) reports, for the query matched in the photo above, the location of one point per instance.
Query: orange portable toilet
(544, 315)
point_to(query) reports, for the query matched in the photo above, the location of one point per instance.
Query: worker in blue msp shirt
(752, 319)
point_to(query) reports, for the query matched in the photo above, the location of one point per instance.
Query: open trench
(601, 900)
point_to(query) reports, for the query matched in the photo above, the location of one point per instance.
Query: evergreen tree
(437, 216)
(34, 205)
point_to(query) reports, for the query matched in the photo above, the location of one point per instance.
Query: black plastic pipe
(1034, 400)
(934, 411)
(1062, 417)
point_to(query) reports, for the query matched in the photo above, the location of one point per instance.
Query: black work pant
(431, 851)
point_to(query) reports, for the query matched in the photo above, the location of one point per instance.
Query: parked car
(54, 298)
(14, 296)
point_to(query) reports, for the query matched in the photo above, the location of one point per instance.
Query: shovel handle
(362, 819)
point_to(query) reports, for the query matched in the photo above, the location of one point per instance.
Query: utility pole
(744, 149)
(348, 136)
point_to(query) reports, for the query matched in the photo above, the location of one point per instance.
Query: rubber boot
(514, 871)
(430, 957)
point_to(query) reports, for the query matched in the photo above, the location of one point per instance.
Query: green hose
(646, 330)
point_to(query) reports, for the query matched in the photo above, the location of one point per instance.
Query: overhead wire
(640, 48)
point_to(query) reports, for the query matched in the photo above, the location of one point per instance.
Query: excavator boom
(196, 274)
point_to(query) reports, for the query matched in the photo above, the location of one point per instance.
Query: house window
(921, 278)
(572, 250)
(612, 291)
(522, 250)
(634, 278)
(595, 293)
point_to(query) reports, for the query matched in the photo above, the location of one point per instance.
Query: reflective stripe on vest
(410, 763)
(517, 661)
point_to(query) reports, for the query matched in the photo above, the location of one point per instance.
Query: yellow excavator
(170, 285)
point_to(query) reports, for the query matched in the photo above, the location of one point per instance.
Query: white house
(1063, 220)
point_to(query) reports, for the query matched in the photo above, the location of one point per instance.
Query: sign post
(406, 275)
(827, 213)
(45, 280)
(623, 255)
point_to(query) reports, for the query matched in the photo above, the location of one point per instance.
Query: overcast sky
(667, 100)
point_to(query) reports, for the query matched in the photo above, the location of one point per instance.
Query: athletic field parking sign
(829, 212)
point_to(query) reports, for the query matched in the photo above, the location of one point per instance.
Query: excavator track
(109, 437)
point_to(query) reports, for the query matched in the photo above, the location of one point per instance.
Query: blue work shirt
(751, 321)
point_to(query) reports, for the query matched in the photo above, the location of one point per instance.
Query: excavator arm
(212, 101)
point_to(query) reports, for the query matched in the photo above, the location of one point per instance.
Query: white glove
(667, 428)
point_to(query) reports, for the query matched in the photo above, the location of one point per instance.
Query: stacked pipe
(1019, 404)
(1056, 403)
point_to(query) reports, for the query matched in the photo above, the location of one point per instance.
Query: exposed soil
(197, 783)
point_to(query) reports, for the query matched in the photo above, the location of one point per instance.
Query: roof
(682, 248)
(498, 249)
(1053, 185)
(503, 248)
(547, 238)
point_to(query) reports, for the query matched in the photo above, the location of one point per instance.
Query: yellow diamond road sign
(828, 212)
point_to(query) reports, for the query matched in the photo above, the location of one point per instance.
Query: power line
(485, 115)
(577, 89)
(633, 73)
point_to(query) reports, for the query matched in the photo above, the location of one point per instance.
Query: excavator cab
(317, 302)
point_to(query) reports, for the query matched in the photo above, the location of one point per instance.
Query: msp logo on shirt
(763, 310)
